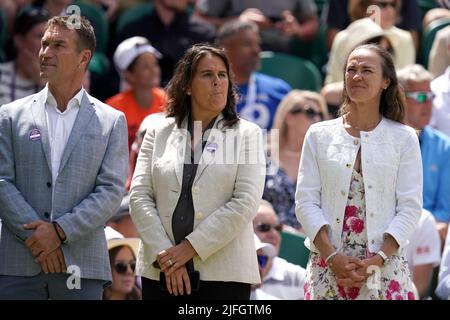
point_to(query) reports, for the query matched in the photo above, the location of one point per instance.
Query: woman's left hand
(175, 257)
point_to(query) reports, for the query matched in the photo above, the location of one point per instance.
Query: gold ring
(170, 262)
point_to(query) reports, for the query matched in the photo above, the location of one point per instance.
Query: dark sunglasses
(384, 5)
(262, 261)
(265, 227)
(122, 267)
(309, 111)
(420, 96)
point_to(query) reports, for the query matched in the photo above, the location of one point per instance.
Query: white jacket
(225, 197)
(392, 169)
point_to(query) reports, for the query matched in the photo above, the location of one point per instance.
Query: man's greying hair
(414, 73)
(233, 27)
(84, 30)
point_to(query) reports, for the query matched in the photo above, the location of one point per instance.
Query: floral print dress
(391, 282)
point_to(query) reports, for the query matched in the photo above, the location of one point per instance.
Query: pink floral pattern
(394, 278)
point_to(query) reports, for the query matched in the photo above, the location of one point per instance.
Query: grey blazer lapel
(38, 114)
(81, 122)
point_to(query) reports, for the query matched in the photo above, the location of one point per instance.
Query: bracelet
(61, 240)
(330, 257)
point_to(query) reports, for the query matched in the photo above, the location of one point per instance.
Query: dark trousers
(48, 286)
(209, 290)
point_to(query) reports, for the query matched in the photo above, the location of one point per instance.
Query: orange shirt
(135, 114)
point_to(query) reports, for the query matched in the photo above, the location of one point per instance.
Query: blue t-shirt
(435, 149)
(269, 92)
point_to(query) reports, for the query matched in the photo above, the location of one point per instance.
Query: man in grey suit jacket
(63, 163)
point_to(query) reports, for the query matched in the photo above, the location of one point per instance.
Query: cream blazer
(226, 192)
(392, 169)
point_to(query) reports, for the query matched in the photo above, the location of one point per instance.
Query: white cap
(267, 248)
(116, 239)
(128, 50)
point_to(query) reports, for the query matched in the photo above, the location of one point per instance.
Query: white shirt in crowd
(425, 245)
(60, 126)
(284, 281)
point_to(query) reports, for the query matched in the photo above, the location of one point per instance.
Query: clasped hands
(45, 246)
(172, 262)
(352, 272)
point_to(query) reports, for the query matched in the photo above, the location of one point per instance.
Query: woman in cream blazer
(223, 194)
(353, 233)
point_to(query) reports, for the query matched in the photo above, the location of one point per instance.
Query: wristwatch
(383, 256)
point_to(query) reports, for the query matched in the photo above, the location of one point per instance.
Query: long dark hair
(135, 293)
(179, 103)
(392, 101)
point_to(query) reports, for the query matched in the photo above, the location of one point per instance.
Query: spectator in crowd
(54, 7)
(424, 253)
(10, 10)
(279, 277)
(264, 252)
(122, 222)
(434, 146)
(279, 21)
(259, 94)
(440, 87)
(363, 31)
(197, 234)
(171, 30)
(137, 62)
(340, 13)
(20, 77)
(439, 57)
(359, 192)
(122, 255)
(296, 112)
(62, 175)
(443, 287)
(151, 121)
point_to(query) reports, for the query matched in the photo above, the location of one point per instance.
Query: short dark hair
(179, 103)
(392, 102)
(85, 31)
(28, 18)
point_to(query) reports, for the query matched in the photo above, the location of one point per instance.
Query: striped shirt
(14, 86)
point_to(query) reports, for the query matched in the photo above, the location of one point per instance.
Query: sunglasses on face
(262, 261)
(121, 267)
(420, 96)
(384, 5)
(308, 110)
(265, 227)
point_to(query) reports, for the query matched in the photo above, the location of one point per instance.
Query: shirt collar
(74, 102)
(275, 271)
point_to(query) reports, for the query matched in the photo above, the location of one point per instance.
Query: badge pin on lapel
(212, 147)
(35, 134)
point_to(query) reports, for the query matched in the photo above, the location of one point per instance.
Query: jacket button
(367, 135)
(343, 193)
(46, 214)
(195, 189)
(369, 186)
(373, 241)
(349, 165)
(355, 142)
(371, 215)
(199, 215)
(49, 184)
(338, 220)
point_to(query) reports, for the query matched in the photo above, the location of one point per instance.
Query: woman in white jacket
(359, 191)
